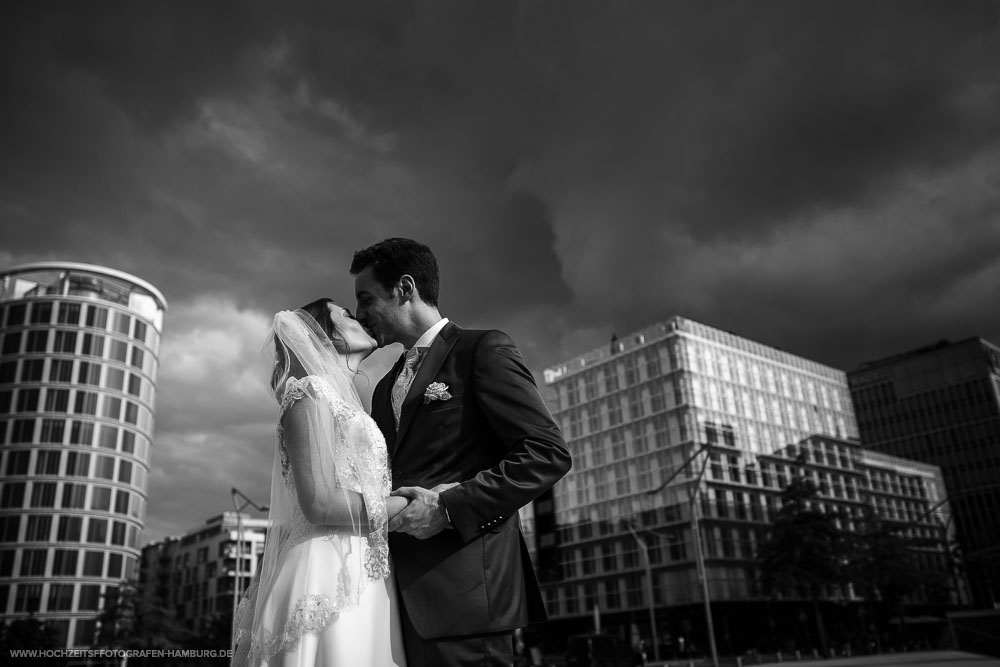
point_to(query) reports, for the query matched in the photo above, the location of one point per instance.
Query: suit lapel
(436, 354)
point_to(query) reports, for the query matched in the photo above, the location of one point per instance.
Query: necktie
(403, 381)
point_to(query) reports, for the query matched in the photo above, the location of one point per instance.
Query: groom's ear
(406, 286)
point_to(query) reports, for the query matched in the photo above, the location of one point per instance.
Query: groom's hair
(393, 258)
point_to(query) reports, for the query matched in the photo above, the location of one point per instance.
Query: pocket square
(436, 391)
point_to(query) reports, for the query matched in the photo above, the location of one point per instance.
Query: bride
(323, 594)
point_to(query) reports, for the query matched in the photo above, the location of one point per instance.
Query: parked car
(597, 650)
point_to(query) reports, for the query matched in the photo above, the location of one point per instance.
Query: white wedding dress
(324, 596)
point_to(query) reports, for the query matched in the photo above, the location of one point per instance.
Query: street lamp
(696, 535)
(649, 589)
(246, 502)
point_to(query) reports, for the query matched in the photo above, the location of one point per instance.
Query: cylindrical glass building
(79, 350)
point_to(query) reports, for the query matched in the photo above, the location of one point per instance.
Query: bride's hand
(395, 504)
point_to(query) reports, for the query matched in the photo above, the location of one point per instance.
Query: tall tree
(132, 619)
(803, 552)
(28, 633)
(883, 567)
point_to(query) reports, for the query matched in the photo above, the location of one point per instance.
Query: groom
(470, 442)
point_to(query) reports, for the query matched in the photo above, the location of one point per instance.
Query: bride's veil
(303, 350)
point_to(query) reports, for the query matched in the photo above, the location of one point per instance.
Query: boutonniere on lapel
(436, 391)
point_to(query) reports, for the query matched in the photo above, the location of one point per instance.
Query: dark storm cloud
(819, 176)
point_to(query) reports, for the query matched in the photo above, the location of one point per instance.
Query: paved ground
(921, 659)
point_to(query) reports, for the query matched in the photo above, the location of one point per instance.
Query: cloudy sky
(820, 176)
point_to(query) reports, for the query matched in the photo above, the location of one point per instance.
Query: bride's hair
(283, 365)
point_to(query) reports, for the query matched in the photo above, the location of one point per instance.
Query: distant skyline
(823, 177)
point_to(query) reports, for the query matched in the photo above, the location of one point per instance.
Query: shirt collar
(428, 336)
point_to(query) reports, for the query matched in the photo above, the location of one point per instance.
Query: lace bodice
(361, 460)
(351, 444)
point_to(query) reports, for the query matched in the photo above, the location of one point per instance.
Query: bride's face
(355, 338)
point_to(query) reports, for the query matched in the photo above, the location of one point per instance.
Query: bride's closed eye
(348, 314)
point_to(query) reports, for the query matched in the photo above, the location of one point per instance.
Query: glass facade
(679, 427)
(79, 349)
(941, 404)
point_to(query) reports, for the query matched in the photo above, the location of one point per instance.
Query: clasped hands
(424, 515)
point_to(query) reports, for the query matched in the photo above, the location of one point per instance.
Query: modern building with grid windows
(79, 348)
(683, 429)
(201, 574)
(941, 404)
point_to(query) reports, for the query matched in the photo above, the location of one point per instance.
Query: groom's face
(379, 310)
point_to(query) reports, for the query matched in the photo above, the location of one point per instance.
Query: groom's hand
(425, 515)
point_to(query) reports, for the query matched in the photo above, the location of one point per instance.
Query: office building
(682, 427)
(941, 404)
(197, 575)
(79, 348)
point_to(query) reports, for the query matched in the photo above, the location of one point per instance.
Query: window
(12, 495)
(90, 598)
(31, 370)
(77, 464)
(118, 533)
(134, 385)
(27, 400)
(105, 468)
(38, 528)
(69, 313)
(16, 314)
(131, 413)
(122, 323)
(108, 436)
(43, 494)
(64, 562)
(85, 628)
(65, 342)
(121, 502)
(128, 441)
(93, 345)
(9, 528)
(56, 400)
(7, 563)
(5, 401)
(81, 433)
(11, 343)
(52, 430)
(93, 563)
(112, 407)
(47, 460)
(118, 350)
(97, 531)
(139, 332)
(33, 562)
(125, 472)
(114, 566)
(37, 341)
(97, 317)
(73, 496)
(89, 373)
(86, 403)
(28, 597)
(23, 431)
(8, 371)
(61, 370)
(17, 462)
(100, 498)
(60, 597)
(69, 529)
(137, 357)
(41, 313)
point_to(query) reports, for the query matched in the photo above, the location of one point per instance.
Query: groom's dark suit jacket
(496, 437)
